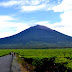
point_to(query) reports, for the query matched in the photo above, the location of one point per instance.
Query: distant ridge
(37, 37)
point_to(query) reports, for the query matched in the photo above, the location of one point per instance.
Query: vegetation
(56, 59)
(4, 52)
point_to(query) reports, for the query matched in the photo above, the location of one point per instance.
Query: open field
(56, 59)
(4, 52)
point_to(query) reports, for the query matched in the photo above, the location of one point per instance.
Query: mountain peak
(41, 27)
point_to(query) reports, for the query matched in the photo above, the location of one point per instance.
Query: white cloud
(28, 5)
(23, 2)
(9, 3)
(32, 8)
(66, 23)
(8, 27)
(67, 18)
(5, 18)
(12, 3)
(35, 2)
(5, 34)
(66, 5)
(65, 26)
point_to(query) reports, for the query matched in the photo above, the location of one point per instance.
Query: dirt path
(5, 63)
(17, 67)
(23, 69)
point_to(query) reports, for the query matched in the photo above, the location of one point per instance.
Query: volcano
(37, 37)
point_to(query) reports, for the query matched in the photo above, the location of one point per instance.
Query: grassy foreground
(60, 58)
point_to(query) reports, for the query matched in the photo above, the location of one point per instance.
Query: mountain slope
(36, 37)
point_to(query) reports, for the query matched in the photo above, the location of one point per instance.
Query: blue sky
(18, 15)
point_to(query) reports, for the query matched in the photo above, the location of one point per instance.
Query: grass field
(40, 57)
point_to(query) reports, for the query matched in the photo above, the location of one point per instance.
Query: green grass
(4, 52)
(62, 56)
